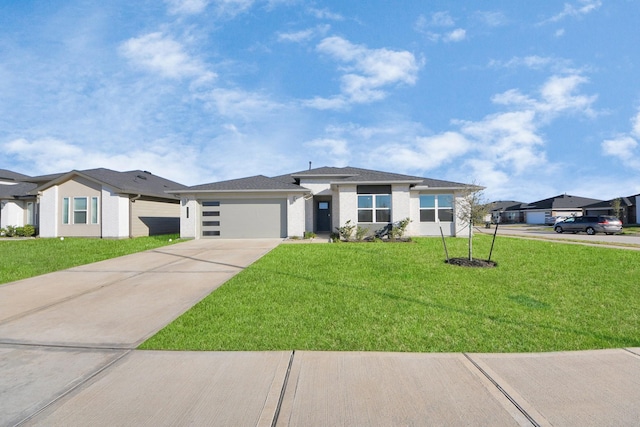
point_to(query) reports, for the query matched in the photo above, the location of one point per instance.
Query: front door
(323, 216)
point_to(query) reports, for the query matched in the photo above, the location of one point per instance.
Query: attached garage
(537, 217)
(244, 218)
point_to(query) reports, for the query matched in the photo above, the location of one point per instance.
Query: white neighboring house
(17, 206)
(102, 203)
(319, 200)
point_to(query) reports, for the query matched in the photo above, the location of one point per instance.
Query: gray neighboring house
(628, 209)
(18, 207)
(319, 200)
(563, 205)
(507, 211)
(100, 203)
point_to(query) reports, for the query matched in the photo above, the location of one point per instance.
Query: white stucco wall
(296, 215)
(12, 213)
(114, 215)
(189, 218)
(49, 212)
(400, 202)
(348, 205)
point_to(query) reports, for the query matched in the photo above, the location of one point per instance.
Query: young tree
(472, 209)
(615, 206)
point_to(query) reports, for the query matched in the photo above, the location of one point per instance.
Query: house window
(31, 213)
(374, 208)
(65, 210)
(436, 206)
(79, 210)
(94, 210)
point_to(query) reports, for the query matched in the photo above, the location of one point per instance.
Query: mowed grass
(543, 296)
(20, 259)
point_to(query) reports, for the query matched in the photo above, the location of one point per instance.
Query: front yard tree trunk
(470, 238)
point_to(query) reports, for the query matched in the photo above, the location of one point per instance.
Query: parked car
(553, 220)
(590, 225)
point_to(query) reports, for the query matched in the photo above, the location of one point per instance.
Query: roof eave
(187, 191)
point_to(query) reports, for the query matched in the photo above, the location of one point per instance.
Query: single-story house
(627, 209)
(541, 211)
(103, 203)
(17, 205)
(507, 211)
(319, 200)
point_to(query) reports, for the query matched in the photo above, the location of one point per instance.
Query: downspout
(131, 202)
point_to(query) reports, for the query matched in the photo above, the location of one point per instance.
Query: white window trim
(436, 208)
(373, 208)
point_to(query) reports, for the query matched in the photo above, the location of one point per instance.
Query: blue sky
(529, 99)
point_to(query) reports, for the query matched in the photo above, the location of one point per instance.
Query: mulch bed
(466, 262)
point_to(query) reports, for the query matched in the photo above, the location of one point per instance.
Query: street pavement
(68, 358)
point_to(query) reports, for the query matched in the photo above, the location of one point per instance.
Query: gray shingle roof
(21, 189)
(351, 174)
(129, 182)
(563, 201)
(257, 183)
(7, 175)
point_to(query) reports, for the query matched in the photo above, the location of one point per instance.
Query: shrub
(346, 230)
(309, 235)
(361, 233)
(399, 228)
(10, 231)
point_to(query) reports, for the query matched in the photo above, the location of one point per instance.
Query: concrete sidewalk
(67, 358)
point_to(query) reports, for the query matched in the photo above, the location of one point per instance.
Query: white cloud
(187, 7)
(326, 14)
(51, 155)
(304, 35)
(441, 19)
(635, 122)
(456, 35)
(161, 54)
(492, 19)
(557, 95)
(367, 71)
(625, 147)
(425, 153)
(239, 104)
(581, 8)
(337, 150)
(231, 8)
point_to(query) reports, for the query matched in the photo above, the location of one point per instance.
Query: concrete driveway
(67, 358)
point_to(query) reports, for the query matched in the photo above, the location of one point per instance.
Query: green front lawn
(543, 296)
(20, 259)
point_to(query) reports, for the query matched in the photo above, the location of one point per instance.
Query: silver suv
(590, 225)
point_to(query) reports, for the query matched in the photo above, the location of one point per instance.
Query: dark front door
(323, 216)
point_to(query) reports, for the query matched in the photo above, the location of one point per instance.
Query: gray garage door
(251, 218)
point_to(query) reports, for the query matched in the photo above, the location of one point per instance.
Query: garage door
(251, 218)
(536, 217)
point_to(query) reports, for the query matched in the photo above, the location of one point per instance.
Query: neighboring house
(17, 206)
(105, 203)
(506, 211)
(319, 200)
(627, 213)
(563, 205)
(91, 203)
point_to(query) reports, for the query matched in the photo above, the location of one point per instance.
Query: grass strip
(543, 296)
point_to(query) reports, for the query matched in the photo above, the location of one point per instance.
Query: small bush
(399, 228)
(346, 231)
(361, 233)
(309, 235)
(10, 231)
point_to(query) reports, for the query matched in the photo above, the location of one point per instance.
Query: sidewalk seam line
(503, 391)
(70, 390)
(283, 390)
